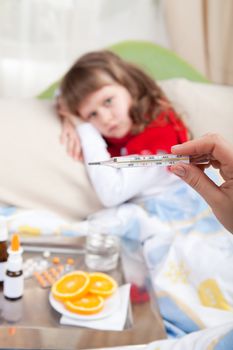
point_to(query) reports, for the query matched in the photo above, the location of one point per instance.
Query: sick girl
(110, 108)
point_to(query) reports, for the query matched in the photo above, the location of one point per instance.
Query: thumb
(198, 180)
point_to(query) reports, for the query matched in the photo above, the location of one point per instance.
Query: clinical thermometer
(133, 161)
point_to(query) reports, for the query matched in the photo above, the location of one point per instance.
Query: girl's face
(108, 110)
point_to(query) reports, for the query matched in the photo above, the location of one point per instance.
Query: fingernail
(178, 170)
(175, 146)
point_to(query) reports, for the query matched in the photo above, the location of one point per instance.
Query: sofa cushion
(36, 171)
(204, 107)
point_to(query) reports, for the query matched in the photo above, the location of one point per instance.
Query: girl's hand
(220, 198)
(70, 139)
(64, 112)
(69, 136)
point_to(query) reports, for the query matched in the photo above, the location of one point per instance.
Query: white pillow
(36, 171)
(204, 107)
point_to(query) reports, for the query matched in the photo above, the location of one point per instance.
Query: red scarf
(162, 133)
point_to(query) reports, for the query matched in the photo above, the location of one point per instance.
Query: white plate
(111, 304)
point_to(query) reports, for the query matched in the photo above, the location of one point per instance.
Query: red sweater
(167, 130)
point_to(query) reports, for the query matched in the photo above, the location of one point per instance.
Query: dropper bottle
(3, 249)
(14, 281)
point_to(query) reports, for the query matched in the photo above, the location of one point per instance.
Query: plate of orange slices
(82, 295)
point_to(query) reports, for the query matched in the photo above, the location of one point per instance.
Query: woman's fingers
(213, 144)
(199, 146)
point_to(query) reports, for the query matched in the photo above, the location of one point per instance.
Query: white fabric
(37, 222)
(115, 186)
(178, 236)
(207, 339)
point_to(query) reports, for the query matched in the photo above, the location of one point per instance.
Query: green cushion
(159, 62)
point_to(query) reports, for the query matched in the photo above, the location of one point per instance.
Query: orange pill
(53, 272)
(70, 261)
(12, 331)
(48, 277)
(41, 280)
(60, 268)
(56, 260)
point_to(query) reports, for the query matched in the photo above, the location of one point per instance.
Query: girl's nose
(106, 116)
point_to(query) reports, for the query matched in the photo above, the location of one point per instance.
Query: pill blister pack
(46, 272)
(32, 265)
(47, 277)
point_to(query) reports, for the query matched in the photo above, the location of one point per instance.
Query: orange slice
(102, 284)
(87, 305)
(71, 286)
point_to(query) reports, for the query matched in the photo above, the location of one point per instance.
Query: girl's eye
(108, 101)
(92, 114)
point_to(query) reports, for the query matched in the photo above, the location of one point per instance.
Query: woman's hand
(69, 136)
(220, 198)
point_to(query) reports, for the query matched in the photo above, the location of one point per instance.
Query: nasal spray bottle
(3, 249)
(14, 282)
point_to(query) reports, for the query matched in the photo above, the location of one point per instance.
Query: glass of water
(102, 241)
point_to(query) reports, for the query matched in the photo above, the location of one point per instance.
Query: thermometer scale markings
(143, 161)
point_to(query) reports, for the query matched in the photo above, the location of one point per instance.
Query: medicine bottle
(14, 281)
(3, 249)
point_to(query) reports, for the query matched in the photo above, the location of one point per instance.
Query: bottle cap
(14, 262)
(3, 229)
(15, 243)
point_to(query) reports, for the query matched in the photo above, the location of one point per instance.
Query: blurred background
(40, 39)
